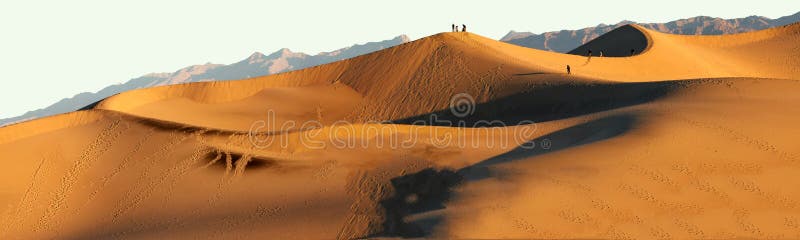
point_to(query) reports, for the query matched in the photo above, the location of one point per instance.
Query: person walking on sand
(568, 70)
(453, 28)
(590, 56)
(463, 27)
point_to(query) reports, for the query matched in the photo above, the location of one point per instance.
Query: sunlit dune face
(450, 136)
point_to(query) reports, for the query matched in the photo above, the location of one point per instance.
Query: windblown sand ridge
(692, 137)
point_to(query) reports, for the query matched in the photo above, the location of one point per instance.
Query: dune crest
(692, 137)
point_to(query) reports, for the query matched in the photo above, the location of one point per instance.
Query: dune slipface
(690, 137)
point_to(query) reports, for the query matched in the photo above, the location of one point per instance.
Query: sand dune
(692, 137)
(440, 66)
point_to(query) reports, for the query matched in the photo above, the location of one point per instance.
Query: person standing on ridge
(453, 28)
(568, 70)
(463, 27)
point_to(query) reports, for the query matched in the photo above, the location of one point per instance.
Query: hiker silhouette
(453, 28)
(463, 27)
(568, 70)
(632, 51)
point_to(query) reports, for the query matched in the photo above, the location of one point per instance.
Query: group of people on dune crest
(455, 28)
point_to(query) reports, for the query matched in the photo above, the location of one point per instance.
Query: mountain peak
(283, 53)
(256, 55)
(511, 35)
(626, 22)
(402, 38)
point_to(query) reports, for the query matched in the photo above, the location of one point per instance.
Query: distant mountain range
(566, 40)
(255, 65)
(284, 60)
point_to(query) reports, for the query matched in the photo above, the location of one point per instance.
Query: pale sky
(51, 50)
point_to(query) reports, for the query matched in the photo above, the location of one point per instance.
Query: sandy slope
(691, 138)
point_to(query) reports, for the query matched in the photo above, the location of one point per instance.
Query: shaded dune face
(624, 41)
(693, 137)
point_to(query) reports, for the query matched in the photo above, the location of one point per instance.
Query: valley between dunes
(690, 137)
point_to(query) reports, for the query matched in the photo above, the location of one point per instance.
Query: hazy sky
(50, 50)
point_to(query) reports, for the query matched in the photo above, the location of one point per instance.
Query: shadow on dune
(428, 190)
(412, 208)
(578, 135)
(547, 103)
(168, 126)
(616, 43)
(419, 192)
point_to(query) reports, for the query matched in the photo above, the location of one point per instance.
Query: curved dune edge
(27, 129)
(633, 164)
(420, 76)
(625, 41)
(659, 145)
(73, 119)
(478, 63)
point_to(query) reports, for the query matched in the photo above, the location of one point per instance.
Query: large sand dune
(691, 137)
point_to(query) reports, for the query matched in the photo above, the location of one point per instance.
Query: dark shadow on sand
(430, 189)
(549, 102)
